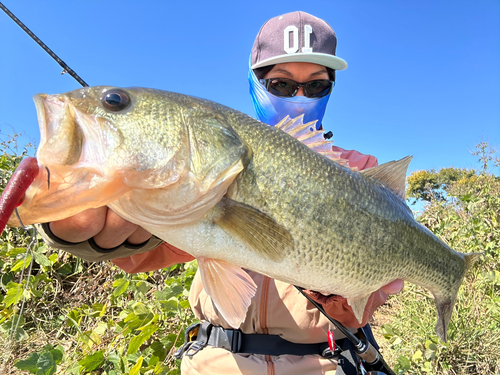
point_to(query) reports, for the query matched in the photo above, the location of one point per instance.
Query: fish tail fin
(444, 309)
(445, 303)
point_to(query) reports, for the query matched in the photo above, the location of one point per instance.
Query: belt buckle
(229, 339)
(234, 337)
(190, 335)
(194, 348)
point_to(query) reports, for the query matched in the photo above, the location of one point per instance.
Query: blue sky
(423, 76)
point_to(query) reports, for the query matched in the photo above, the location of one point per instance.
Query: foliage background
(60, 314)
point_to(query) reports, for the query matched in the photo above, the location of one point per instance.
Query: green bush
(77, 317)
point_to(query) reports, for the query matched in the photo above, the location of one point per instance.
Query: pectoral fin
(256, 229)
(230, 288)
(358, 307)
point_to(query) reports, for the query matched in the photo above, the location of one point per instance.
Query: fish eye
(115, 100)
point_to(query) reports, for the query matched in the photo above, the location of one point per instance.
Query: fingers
(379, 297)
(393, 288)
(139, 236)
(118, 230)
(106, 227)
(81, 226)
(338, 308)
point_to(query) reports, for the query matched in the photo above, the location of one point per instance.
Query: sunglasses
(285, 87)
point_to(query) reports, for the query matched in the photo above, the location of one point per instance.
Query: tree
(430, 184)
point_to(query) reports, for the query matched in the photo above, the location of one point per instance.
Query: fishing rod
(66, 68)
(366, 351)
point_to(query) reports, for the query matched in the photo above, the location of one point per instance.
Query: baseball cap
(296, 37)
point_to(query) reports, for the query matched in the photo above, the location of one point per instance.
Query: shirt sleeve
(90, 251)
(163, 256)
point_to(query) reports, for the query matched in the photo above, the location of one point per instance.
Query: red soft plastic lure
(14, 192)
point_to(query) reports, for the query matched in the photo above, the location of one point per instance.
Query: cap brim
(330, 61)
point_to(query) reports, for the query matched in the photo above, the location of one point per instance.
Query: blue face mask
(271, 109)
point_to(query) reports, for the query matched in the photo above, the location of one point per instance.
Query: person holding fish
(292, 73)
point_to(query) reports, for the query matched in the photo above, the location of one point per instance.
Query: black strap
(238, 342)
(200, 335)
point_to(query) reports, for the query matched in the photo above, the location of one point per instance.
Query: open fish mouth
(69, 171)
(61, 134)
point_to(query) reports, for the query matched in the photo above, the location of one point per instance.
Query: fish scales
(236, 194)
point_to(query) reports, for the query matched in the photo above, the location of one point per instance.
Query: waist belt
(199, 335)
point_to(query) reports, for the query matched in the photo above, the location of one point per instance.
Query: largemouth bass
(236, 194)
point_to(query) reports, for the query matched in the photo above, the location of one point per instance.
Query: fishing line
(28, 251)
(15, 323)
(65, 66)
(26, 285)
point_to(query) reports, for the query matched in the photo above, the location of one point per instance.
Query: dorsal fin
(312, 138)
(296, 127)
(392, 174)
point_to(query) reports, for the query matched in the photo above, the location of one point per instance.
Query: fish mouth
(66, 183)
(61, 137)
